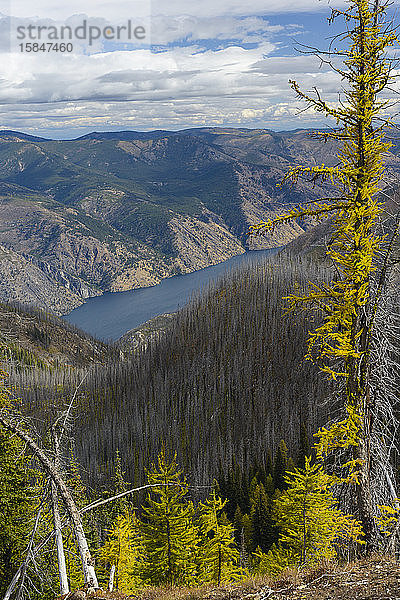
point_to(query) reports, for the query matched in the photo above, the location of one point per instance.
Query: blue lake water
(109, 316)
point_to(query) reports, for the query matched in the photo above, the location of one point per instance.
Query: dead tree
(71, 508)
(62, 567)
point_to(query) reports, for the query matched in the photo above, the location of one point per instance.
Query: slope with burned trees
(222, 387)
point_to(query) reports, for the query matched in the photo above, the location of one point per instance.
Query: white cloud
(129, 8)
(222, 68)
(141, 90)
(166, 30)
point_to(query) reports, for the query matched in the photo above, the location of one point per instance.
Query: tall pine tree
(124, 549)
(264, 530)
(312, 525)
(17, 505)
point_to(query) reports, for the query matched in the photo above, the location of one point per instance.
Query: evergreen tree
(238, 524)
(348, 345)
(247, 540)
(280, 465)
(269, 486)
(312, 525)
(269, 465)
(17, 506)
(124, 549)
(218, 557)
(122, 505)
(169, 536)
(264, 531)
(305, 447)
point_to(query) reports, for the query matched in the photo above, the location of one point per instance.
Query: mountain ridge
(116, 211)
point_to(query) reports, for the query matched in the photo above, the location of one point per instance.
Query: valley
(112, 212)
(218, 386)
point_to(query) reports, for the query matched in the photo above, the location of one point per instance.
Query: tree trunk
(111, 580)
(62, 567)
(51, 470)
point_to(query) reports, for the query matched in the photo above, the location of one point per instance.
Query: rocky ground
(377, 578)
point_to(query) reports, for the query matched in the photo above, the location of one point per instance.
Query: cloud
(130, 8)
(130, 75)
(141, 90)
(166, 30)
(219, 66)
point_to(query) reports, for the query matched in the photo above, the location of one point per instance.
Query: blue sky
(205, 63)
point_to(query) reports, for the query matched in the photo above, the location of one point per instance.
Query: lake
(109, 316)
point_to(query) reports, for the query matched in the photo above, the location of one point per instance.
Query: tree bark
(62, 567)
(111, 580)
(52, 471)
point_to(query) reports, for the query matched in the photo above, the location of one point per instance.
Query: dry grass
(377, 578)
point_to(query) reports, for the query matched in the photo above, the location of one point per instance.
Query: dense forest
(225, 388)
(224, 392)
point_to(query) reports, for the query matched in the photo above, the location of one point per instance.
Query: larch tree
(280, 465)
(124, 550)
(17, 505)
(312, 526)
(217, 557)
(264, 532)
(167, 525)
(310, 521)
(343, 345)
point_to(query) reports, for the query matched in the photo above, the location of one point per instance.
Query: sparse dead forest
(223, 388)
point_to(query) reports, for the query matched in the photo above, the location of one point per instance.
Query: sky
(202, 63)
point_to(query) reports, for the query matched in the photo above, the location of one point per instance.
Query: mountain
(31, 338)
(221, 382)
(6, 135)
(123, 210)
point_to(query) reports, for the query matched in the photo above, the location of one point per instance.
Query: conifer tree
(342, 347)
(122, 505)
(17, 505)
(243, 536)
(269, 465)
(169, 536)
(311, 524)
(305, 446)
(264, 531)
(218, 557)
(280, 465)
(124, 549)
(238, 523)
(247, 539)
(269, 486)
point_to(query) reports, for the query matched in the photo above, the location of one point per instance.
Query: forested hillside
(119, 211)
(226, 388)
(255, 432)
(223, 388)
(30, 337)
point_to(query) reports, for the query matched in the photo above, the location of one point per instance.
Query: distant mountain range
(122, 210)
